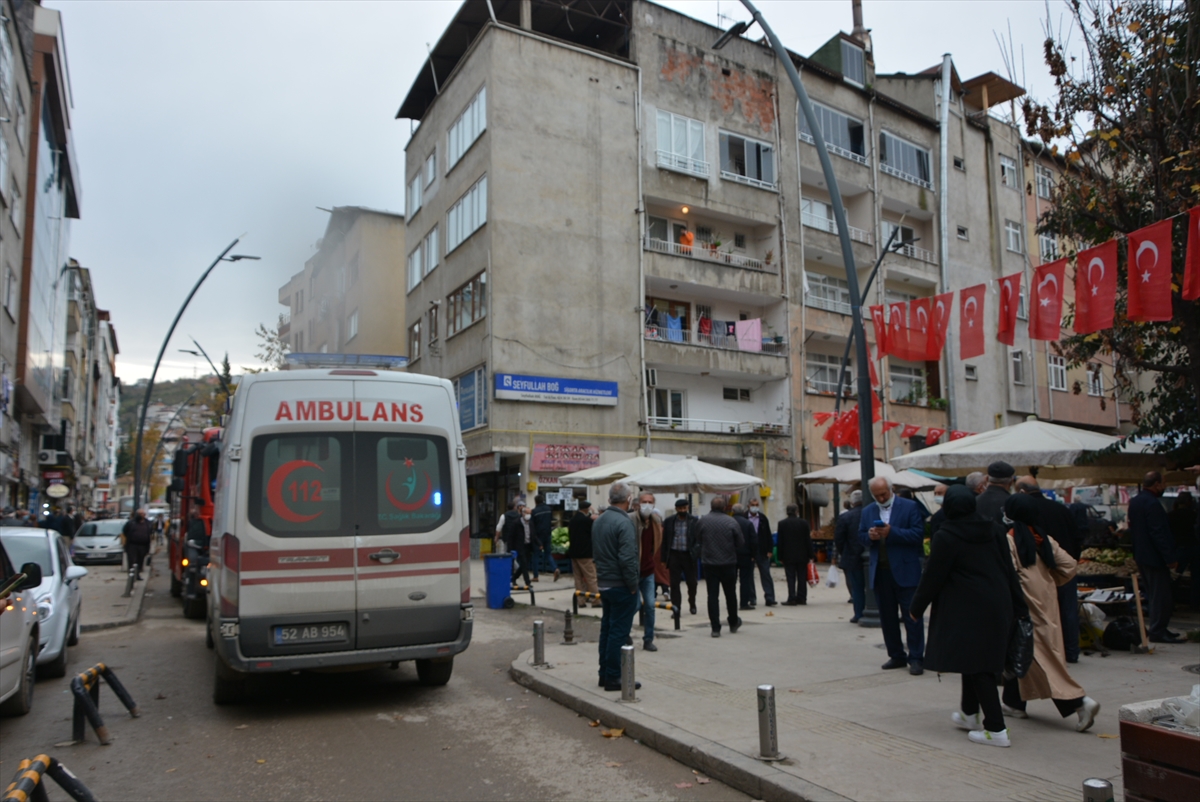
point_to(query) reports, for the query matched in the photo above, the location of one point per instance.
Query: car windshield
(29, 549)
(102, 528)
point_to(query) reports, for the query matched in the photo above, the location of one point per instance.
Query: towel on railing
(674, 328)
(749, 334)
(704, 328)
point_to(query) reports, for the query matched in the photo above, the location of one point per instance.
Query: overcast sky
(198, 122)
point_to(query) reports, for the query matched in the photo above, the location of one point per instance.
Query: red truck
(192, 487)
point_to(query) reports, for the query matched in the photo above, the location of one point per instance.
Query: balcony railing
(903, 176)
(773, 346)
(719, 426)
(828, 304)
(684, 164)
(742, 179)
(826, 224)
(704, 253)
(918, 253)
(832, 148)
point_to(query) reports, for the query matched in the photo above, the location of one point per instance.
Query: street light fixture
(738, 29)
(217, 373)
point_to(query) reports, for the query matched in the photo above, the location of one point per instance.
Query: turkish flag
(846, 429)
(942, 304)
(1045, 314)
(821, 418)
(1010, 300)
(933, 435)
(1191, 265)
(888, 425)
(897, 336)
(879, 318)
(908, 431)
(1149, 265)
(955, 434)
(871, 366)
(970, 321)
(1095, 288)
(920, 319)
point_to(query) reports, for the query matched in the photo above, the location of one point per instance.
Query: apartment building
(349, 298)
(620, 239)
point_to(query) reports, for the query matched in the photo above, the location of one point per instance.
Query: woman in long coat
(1042, 566)
(975, 595)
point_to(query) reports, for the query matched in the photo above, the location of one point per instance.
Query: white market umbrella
(693, 476)
(845, 473)
(612, 472)
(911, 480)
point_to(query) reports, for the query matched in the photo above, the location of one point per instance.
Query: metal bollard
(539, 643)
(768, 736)
(129, 584)
(1097, 789)
(568, 629)
(628, 678)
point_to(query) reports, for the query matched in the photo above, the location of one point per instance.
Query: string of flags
(844, 431)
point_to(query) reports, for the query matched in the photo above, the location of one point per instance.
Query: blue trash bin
(498, 572)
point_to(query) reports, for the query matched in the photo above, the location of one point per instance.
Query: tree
(218, 403)
(272, 348)
(124, 459)
(1126, 116)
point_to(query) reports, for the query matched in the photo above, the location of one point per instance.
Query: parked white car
(58, 598)
(18, 639)
(100, 542)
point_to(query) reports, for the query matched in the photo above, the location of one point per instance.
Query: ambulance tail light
(464, 564)
(231, 564)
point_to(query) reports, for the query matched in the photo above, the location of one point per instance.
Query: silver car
(100, 542)
(58, 598)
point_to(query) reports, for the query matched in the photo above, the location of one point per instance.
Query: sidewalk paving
(848, 729)
(103, 605)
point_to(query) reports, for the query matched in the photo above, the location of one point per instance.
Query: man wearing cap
(679, 553)
(990, 503)
(579, 551)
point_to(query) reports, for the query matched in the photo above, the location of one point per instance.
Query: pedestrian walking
(795, 550)
(1056, 520)
(894, 531)
(680, 551)
(764, 546)
(991, 500)
(850, 551)
(579, 550)
(649, 526)
(514, 531)
(970, 582)
(720, 538)
(1041, 564)
(138, 534)
(615, 550)
(541, 530)
(747, 591)
(1154, 552)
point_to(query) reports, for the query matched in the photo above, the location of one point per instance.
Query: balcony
(774, 346)
(836, 149)
(903, 176)
(683, 164)
(720, 426)
(828, 304)
(705, 253)
(920, 254)
(830, 226)
(750, 182)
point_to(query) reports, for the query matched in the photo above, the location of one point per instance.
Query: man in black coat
(138, 533)
(990, 503)
(680, 551)
(579, 551)
(541, 531)
(747, 595)
(850, 553)
(1154, 551)
(762, 555)
(795, 550)
(1056, 520)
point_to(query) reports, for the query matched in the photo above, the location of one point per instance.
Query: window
(1018, 367)
(429, 249)
(413, 197)
(414, 268)
(412, 488)
(10, 292)
(739, 241)
(681, 144)
(906, 235)
(829, 293)
(466, 129)
(299, 305)
(299, 478)
(1095, 379)
(972, 373)
(352, 326)
(1023, 303)
(735, 393)
(414, 342)
(299, 342)
(845, 452)
(1058, 372)
(666, 406)
(1012, 235)
(1045, 181)
(6, 66)
(904, 160)
(470, 392)
(960, 164)
(432, 320)
(1008, 172)
(817, 214)
(1048, 247)
(467, 215)
(821, 374)
(963, 233)
(352, 271)
(843, 135)
(22, 124)
(908, 385)
(15, 209)
(430, 171)
(467, 304)
(747, 161)
(658, 228)
(853, 63)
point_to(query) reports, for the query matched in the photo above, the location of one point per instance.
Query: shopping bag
(833, 576)
(814, 578)
(1020, 648)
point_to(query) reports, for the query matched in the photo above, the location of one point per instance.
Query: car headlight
(44, 608)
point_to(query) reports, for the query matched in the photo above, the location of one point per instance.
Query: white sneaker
(1012, 712)
(965, 722)
(990, 738)
(1087, 714)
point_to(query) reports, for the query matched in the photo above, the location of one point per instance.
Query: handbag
(1020, 648)
(814, 578)
(832, 578)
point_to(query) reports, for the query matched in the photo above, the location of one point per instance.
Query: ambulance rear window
(412, 481)
(296, 483)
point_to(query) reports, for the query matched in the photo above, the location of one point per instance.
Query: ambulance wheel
(435, 672)
(229, 686)
(176, 587)
(195, 608)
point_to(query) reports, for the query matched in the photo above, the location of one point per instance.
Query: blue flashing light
(437, 498)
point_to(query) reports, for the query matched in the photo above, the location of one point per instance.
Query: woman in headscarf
(970, 582)
(1042, 566)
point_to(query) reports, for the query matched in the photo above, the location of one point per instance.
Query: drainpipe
(641, 306)
(943, 225)
(527, 14)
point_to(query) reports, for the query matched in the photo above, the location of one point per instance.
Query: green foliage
(272, 348)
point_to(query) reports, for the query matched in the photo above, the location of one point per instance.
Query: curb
(750, 776)
(132, 614)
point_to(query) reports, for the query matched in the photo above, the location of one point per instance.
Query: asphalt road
(354, 736)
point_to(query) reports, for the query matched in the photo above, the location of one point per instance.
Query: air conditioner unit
(47, 457)
(651, 377)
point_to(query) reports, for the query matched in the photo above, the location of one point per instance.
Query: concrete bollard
(539, 643)
(1097, 789)
(129, 583)
(628, 677)
(568, 629)
(768, 735)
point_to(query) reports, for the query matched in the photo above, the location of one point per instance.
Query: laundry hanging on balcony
(674, 328)
(749, 334)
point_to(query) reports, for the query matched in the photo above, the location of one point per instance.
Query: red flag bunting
(1010, 300)
(909, 431)
(933, 435)
(879, 318)
(1045, 313)
(871, 366)
(1095, 288)
(897, 337)
(920, 320)
(955, 434)
(821, 418)
(846, 433)
(888, 425)
(1149, 260)
(942, 305)
(970, 321)
(1191, 266)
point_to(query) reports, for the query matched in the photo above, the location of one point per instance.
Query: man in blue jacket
(893, 529)
(1154, 551)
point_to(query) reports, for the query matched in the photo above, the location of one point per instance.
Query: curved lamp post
(137, 454)
(162, 439)
(201, 352)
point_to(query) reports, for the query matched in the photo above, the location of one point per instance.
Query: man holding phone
(894, 531)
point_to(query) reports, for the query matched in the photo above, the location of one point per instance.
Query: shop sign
(564, 458)
(552, 390)
(58, 490)
(52, 476)
(483, 463)
(548, 481)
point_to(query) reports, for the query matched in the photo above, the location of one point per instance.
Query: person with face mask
(138, 533)
(762, 556)
(679, 552)
(939, 516)
(650, 534)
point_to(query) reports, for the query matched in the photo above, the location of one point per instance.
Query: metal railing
(919, 254)
(826, 224)
(744, 179)
(828, 304)
(704, 253)
(719, 426)
(903, 176)
(836, 149)
(772, 346)
(684, 164)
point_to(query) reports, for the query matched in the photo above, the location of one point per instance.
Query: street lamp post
(217, 373)
(137, 454)
(162, 439)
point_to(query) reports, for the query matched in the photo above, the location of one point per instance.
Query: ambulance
(340, 529)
